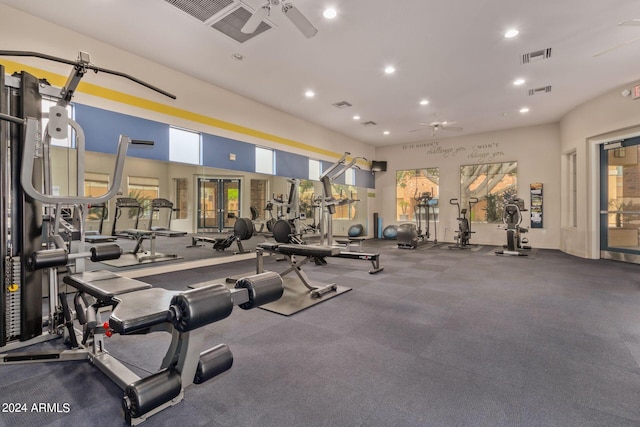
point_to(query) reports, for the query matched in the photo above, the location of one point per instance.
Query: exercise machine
(243, 229)
(512, 218)
(134, 212)
(410, 235)
(97, 236)
(158, 206)
(463, 234)
(34, 253)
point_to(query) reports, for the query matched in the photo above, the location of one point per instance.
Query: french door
(218, 203)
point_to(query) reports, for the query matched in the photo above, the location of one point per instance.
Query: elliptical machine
(410, 235)
(463, 234)
(512, 217)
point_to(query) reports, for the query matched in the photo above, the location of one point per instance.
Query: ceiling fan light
(518, 82)
(299, 20)
(329, 13)
(254, 21)
(511, 33)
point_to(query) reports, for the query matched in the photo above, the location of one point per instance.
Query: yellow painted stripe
(135, 101)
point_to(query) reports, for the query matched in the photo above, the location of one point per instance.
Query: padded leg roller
(213, 362)
(262, 288)
(105, 252)
(198, 307)
(148, 393)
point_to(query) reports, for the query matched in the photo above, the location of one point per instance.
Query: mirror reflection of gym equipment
(57, 251)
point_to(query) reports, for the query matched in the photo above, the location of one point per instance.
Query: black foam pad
(308, 250)
(105, 252)
(198, 307)
(148, 393)
(262, 289)
(213, 362)
(47, 258)
(282, 231)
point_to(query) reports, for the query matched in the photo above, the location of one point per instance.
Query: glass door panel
(230, 201)
(207, 204)
(620, 200)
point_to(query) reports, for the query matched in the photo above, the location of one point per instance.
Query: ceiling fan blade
(299, 20)
(616, 47)
(454, 128)
(630, 23)
(252, 23)
(416, 130)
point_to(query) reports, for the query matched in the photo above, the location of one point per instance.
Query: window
(265, 161)
(410, 184)
(96, 184)
(315, 169)
(345, 192)
(572, 189)
(259, 196)
(182, 198)
(144, 190)
(306, 194)
(493, 184)
(184, 146)
(46, 104)
(350, 176)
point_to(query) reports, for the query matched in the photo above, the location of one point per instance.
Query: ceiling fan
(437, 126)
(289, 10)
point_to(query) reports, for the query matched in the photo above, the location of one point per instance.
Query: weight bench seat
(140, 310)
(308, 250)
(104, 285)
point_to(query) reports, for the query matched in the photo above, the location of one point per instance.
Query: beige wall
(536, 149)
(608, 117)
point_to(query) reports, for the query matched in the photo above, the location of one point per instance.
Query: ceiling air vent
(201, 9)
(231, 23)
(536, 56)
(342, 104)
(539, 90)
(369, 123)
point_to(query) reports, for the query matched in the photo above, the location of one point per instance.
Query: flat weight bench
(147, 256)
(139, 308)
(309, 252)
(349, 242)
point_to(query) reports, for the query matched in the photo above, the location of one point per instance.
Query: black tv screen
(378, 166)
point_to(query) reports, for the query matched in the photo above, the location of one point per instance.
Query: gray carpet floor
(439, 338)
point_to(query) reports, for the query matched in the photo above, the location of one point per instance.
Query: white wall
(607, 117)
(536, 149)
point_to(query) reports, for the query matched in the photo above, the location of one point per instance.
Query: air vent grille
(368, 123)
(342, 104)
(536, 56)
(230, 25)
(200, 9)
(539, 90)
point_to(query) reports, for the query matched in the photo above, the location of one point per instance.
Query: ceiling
(451, 53)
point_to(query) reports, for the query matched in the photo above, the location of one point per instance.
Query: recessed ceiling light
(386, 132)
(424, 102)
(237, 56)
(524, 110)
(329, 13)
(390, 69)
(356, 117)
(309, 94)
(511, 33)
(518, 82)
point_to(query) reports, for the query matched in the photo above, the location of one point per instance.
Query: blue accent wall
(216, 150)
(292, 165)
(103, 128)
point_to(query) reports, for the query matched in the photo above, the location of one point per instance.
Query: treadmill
(96, 236)
(157, 205)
